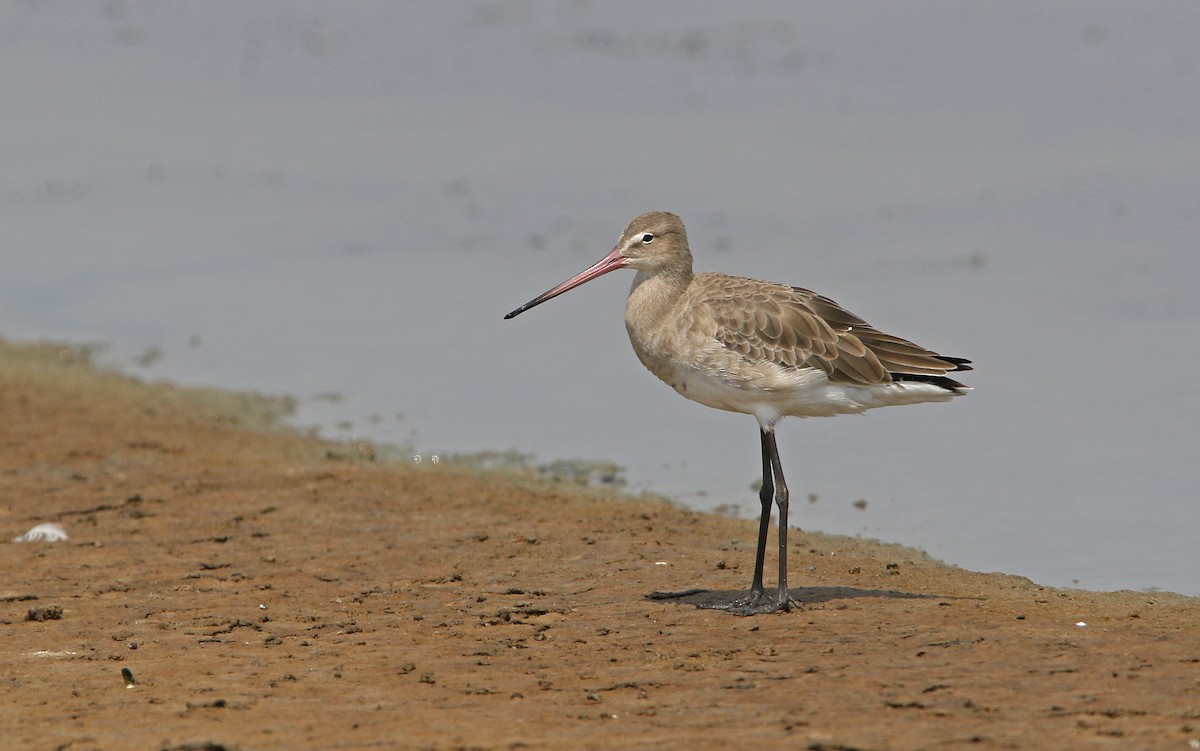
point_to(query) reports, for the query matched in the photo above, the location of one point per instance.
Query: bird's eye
(647, 238)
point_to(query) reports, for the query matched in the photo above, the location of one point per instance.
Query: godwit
(762, 349)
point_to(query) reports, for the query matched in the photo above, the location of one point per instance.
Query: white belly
(772, 392)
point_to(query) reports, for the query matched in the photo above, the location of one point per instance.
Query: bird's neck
(654, 293)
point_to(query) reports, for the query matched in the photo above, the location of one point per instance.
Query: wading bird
(762, 349)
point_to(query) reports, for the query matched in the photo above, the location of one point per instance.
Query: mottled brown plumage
(797, 328)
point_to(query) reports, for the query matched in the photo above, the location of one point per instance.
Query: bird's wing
(797, 328)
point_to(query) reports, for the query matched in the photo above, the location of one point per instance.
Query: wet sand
(268, 590)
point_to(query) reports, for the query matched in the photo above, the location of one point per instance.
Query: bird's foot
(754, 603)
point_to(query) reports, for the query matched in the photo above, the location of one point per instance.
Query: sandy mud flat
(231, 585)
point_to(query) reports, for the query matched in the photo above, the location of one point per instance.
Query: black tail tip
(959, 363)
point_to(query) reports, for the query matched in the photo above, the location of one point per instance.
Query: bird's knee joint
(781, 497)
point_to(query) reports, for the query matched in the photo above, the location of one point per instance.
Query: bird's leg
(781, 501)
(765, 496)
(773, 489)
(757, 601)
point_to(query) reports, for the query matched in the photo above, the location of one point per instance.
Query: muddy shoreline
(267, 590)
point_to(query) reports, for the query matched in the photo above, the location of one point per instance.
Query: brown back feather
(798, 328)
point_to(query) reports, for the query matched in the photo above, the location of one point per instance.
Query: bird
(758, 348)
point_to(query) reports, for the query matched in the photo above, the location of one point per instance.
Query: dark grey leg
(757, 601)
(765, 496)
(781, 501)
(773, 488)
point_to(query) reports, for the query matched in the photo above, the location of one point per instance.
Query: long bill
(610, 262)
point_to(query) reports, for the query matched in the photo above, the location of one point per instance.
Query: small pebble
(43, 533)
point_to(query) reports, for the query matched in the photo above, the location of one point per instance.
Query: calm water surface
(299, 198)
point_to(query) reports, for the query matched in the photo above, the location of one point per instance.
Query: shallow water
(288, 197)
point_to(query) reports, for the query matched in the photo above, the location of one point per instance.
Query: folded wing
(797, 328)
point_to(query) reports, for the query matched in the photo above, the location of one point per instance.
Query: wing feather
(797, 328)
